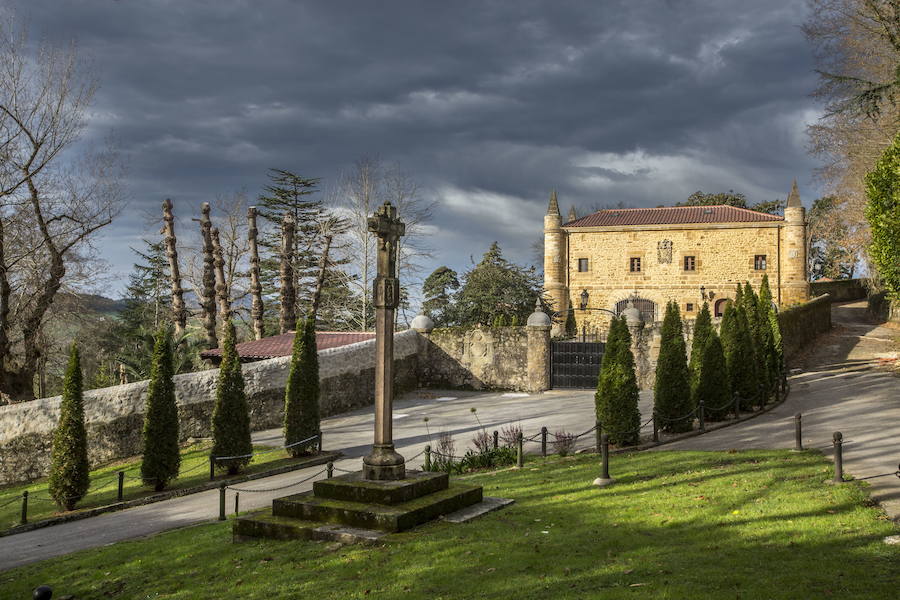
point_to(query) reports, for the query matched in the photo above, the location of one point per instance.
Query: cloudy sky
(488, 105)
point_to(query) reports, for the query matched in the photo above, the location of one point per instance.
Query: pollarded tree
(301, 394)
(162, 456)
(69, 470)
(616, 400)
(738, 350)
(231, 417)
(702, 330)
(672, 390)
(883, 214)
(713, 386)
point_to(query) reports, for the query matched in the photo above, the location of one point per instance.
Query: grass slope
(757, 524)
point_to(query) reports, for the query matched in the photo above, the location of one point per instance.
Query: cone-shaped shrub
(301, 395)
(773, 332)
(69, 469)
(713, 387)
(738, 350)
(755, 326)
(571, 324)
(616, 400)
(231, 418)
(702, 330)
(162, 456)
(672, 390)
(739, 295)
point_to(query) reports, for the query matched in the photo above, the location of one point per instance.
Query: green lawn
(693, 525)
(104, 483)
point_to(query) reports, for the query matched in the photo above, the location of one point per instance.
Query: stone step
(266, 525)
(397, 517)
(353, 488)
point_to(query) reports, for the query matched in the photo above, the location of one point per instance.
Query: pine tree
(69, 468)
(301, 395)
(738, 350)
(231, 417)
(616, 399)
(713, 386)
(672, 390)
(703, 329)
(162, 456)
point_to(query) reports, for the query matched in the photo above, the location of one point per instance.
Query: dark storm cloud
(488, 104)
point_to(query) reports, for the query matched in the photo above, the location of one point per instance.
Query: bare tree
(257, 309)
(179, 313)
(49, 213)
(288, 320)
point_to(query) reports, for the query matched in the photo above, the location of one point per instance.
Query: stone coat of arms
(664, 251)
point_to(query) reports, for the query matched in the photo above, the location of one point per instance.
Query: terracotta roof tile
(670, 215)
(281, 345)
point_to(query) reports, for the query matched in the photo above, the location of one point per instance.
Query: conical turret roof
(553, 209)
(793, 200)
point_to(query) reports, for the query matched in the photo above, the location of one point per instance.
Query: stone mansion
(690, 254)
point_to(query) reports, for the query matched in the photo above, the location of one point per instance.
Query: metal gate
(575, 364)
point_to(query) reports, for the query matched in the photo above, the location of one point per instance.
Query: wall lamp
(584, 299)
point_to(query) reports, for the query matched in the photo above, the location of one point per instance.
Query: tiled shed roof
(670, 215)
(281, 345)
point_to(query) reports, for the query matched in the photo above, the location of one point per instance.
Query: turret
(554, 256)
(792, 276)
(572, 215)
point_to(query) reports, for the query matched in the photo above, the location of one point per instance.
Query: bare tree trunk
(179, 314)
(256, 310)
(320, 280)
(288, 294)
(221, 286)
(208, 295)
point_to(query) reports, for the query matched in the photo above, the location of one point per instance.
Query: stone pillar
(538, 331)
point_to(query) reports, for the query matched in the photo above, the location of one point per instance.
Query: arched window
(647, 308)
(720, 306)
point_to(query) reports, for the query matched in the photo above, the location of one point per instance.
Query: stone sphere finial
(538, 318)
(422, 324)
(632, 315)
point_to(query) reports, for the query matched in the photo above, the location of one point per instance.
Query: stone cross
(384, 463)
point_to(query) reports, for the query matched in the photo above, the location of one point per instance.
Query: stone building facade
(690, 254)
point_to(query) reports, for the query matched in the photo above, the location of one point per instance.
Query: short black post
(520, 456)
(544, 442)
(701, 415)
(24, 518)
(222, 501)
(798, 433)
(330, 469)
(598, 433)
(737, 406)
(42, 592)
(237, 496)
(496, 439)
(212, 467)
(427, 458)
(838, 441)
(121, 493)
(655, 429)
(320, 441)
(604, 478)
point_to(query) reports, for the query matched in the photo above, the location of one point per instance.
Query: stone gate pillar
(538, 330)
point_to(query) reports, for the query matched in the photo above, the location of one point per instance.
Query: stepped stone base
(350, 508)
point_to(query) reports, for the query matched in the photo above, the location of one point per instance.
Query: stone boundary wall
(883, 309)
(802, 324)
(840, 290)
(114, 415)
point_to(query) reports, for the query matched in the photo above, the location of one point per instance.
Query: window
(636, 264)
(759, 262)
(689, 307)
(719, 308)
(690, 263)
(582, 265)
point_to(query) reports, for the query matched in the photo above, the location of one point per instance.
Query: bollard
(222, 501)
(330, 468)
(598, 433)
(544, 442)
(655, 429)
(42, 592)
(604, 479)
(237, 496)
(798, 433)
(737, 407)
(701, 415)
(320, 442)
(520, 456)
(427, 458)
(24, 518)
(121, 493)
(838, 441)
(212, 467)
(496, 439)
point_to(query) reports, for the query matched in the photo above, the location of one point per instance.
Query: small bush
(509, 435)
(564, 442)
(483, 441)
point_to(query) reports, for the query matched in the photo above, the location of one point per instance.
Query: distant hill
(94, 303)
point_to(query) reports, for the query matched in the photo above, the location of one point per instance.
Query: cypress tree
(739, 295)
(231, 418)
(301, 395)
(771, 332)
(755, 326)
(702, 330)
(69, 469)
(713, 387)
(738, 355)
(672, 390)
(162, 457)
(616, 400)
(571, 324)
